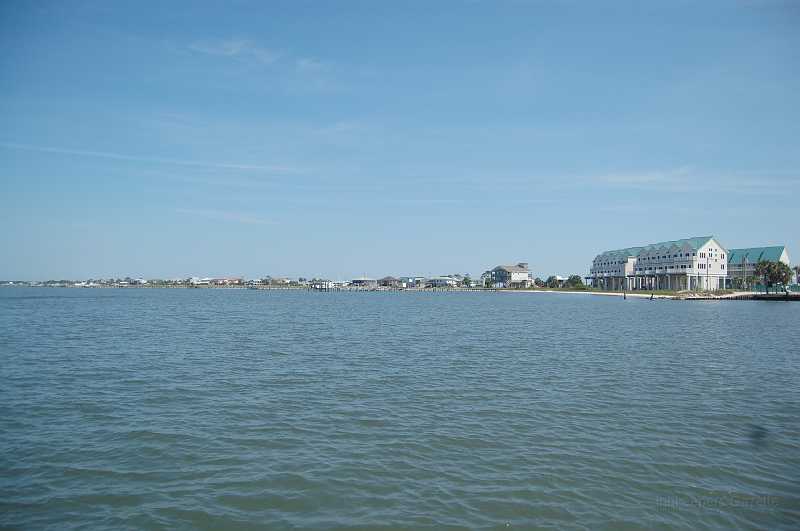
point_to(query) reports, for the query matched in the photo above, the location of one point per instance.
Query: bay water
(241, 409)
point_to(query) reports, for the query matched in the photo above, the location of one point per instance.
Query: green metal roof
(753, 255)
(620, 254)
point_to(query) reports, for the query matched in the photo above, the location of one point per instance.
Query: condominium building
(690, 263)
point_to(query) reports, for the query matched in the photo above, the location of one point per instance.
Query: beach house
(442, 282)
(509, 276)
(390, 282)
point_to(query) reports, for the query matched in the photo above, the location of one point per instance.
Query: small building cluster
(445, 281)
(209, 281)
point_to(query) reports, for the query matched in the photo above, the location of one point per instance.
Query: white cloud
(236, 48)
(120, 156)
(309, 65)
(691, 180)
(648, 178)
(225, 215)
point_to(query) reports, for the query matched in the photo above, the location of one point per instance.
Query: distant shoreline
(681, 295)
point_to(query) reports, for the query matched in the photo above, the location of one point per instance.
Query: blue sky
(337, 139)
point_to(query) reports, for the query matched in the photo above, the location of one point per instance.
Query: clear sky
(167, 139)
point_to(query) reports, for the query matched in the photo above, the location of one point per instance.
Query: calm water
(234, 409)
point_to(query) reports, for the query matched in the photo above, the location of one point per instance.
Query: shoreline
(680, 296)
(600, 293)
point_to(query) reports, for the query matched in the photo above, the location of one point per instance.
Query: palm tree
(574, 281)
(773, 273)
(763, 270)
(781, 274)
(797, 273)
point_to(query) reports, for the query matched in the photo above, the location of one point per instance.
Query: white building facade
(689, 264)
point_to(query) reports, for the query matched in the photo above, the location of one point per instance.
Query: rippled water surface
(234, 409)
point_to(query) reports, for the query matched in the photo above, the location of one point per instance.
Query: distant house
(364, 283)
(390, 282)
(509, 276)
(413, 282)
(442, 282)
